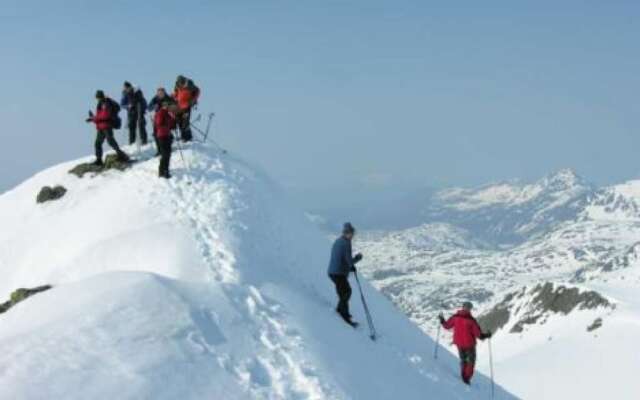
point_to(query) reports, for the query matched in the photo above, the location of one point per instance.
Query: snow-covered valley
(525, 253)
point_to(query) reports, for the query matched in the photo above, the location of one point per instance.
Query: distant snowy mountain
(619, 202)
(508, 213)
(505, 213)
(207, 286)
(559, 239)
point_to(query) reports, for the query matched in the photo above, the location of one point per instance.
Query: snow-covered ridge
(509, 213)
(616, 203)
(513, 193)
(210, 285)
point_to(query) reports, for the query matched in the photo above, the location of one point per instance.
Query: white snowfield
(560, 359)
(593, 244)
(207, 286)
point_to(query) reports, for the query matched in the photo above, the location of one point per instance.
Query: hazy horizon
(342, 102)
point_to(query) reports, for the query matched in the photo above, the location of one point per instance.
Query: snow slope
(207, 286)
(596, 249)
(570, 361)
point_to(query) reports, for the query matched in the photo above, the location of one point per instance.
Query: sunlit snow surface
(207, 286)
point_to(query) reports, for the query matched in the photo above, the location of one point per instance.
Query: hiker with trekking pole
(154, 105)
(342, 263)
(163, 123)
(466, 331)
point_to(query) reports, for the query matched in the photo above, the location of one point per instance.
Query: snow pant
(467, 363)
(164, 146)
(138, 123)
(184, 124)
(107, 134)
(343, 289)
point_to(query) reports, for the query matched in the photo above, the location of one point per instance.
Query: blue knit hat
(348, 228)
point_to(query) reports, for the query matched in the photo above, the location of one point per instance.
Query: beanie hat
(99, 94)
(348, 228)
(467, 305)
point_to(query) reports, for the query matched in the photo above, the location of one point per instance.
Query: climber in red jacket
(164, 122)
(106, 118)
(465, 332)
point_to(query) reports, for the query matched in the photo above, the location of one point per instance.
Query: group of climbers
(466, 329)
(171, 112)
(174, 112)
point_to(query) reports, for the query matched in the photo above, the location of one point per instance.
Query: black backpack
(114, 108)
(195, 91)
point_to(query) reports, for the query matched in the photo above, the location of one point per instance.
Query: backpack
(114, 108)
(195, 91)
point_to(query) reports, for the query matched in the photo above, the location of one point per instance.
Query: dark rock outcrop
(49, 193)
(111, 161)
(595, 325)
(21, 294)
(529, 306)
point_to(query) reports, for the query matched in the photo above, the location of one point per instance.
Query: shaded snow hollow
(210, 285)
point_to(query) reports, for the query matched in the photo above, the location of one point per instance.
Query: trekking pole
(372, 329)
(211, 115)
(153, 133)
(203, 133)
(435, 349)
(184, 161)
(139, 130)
(493, 388)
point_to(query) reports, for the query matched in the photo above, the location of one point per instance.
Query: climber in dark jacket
(135, 103)
(341, 264)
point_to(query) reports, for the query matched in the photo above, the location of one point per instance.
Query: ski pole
(493, 389)
(139, 126)
(184, 161)
(435, 349)
(209, 125)
(204, 133)
(153, 133)
(372, 329)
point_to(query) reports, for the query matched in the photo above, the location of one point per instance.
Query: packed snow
(210, 285)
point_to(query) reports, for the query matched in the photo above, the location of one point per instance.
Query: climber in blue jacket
(341, 264)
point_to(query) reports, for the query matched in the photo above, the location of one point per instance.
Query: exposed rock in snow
(534, 305)
(20, 295)
(48, 193)
(111, 162)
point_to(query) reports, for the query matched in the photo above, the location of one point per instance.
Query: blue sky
(342, 99)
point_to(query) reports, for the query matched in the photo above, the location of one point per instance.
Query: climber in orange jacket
(186, 94)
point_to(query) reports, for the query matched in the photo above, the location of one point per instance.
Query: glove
(353, 269)
(358, 257)
(441, 318)
(89, 119)
(486, 335)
